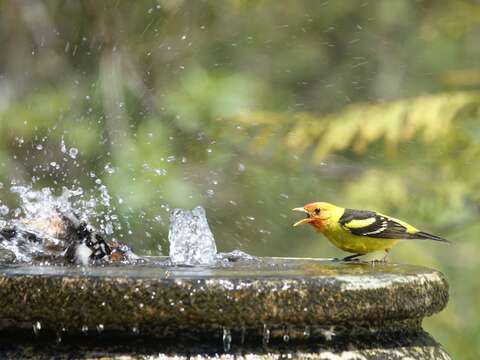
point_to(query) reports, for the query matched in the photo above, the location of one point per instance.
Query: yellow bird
(359, 231)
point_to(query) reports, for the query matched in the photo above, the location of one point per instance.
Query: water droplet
(104, 196)
(265, 335)
(73, 152)
(37, 327)
(227, 339)
(109, 228)
(241, 167)
(210, 193)
(243, 334)
(84, 329)
(109, 168)
(171, 158)
(63, 148)
(306, 332)
(135, 330)
(4, 210)
(39, 147)
(328, 334)
(100, 328)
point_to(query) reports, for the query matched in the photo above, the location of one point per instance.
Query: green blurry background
(250, 108)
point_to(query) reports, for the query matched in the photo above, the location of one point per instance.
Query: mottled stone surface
(333, 306)
(294, 292)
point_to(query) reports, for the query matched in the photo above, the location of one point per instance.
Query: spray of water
(36, 228)
(46, 225)
(190, 237)
(192, 242)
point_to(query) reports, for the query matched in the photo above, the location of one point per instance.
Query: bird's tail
(426, 236)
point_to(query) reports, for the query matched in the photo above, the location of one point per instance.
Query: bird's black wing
(374, 225)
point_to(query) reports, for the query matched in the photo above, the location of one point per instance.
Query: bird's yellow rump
(359, 231)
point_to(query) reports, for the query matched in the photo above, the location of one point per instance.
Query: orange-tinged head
(317, 213)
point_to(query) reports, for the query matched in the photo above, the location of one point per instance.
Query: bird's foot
(383, 260)
(379, 261)
(353, 257)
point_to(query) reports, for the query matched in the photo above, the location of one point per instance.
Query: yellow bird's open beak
(303, 221)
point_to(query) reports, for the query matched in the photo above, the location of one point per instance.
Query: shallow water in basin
(161, 268)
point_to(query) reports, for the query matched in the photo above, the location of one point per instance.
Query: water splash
(44, 204)
(236, 255)
(191, 240)
(46, 225)
(38, 217)
(38, 228)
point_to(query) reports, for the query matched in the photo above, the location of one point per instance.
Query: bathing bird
(61, 234)
(360, 231)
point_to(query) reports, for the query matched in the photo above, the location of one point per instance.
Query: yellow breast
(358, 244)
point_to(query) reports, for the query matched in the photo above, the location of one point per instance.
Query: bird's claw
(379, 261)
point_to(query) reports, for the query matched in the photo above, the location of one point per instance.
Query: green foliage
(429, 118)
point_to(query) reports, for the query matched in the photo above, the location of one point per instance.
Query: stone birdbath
(266, 308)
(234, 306)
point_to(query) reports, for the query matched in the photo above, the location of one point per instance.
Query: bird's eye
(317, 211)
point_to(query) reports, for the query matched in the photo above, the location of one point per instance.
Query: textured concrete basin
(314, 306)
